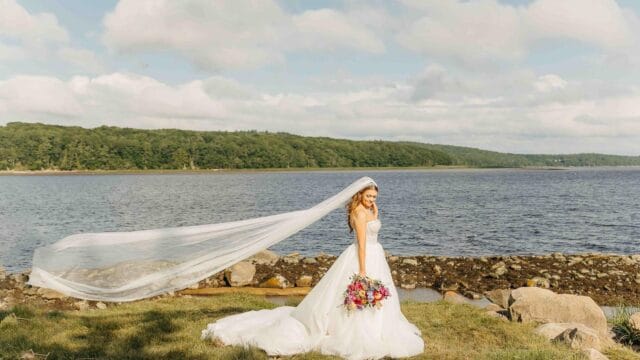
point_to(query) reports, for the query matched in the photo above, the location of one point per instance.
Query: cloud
(231, 34)
(37, 96)
(85, 60)
(328, 29)
(486, 32)
(11, 52)
(526, 120)
(18, 23)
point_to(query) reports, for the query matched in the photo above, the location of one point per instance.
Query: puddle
(429, 295)
(418, 295)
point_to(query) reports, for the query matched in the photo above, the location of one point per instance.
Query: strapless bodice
(372, 227)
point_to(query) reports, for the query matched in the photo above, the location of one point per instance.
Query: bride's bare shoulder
(359, 213)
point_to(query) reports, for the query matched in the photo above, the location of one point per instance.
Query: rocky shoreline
(608, 279)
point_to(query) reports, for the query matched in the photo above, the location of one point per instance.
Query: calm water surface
(442, 212)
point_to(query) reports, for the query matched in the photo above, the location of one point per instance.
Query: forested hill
(35, 146)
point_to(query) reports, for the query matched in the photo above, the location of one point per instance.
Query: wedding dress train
(320, 322)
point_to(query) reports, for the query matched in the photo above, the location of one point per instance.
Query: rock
(393, 258)
(100, 305)
(635, 257)
(27, 355)
(454, 298)
(575, 260)
(82, 305)
(264, 257)
(515, 267)
(277, 281)
(580, 338)
(304, 281)
(472, 295)
(3, 274)
(310, 260)
(499, 297)
(553, 330)
(627, 260)
(499, 269)
(541, 282)
(529, 304)
(412, 262)
(408, 285)
(50, 294)
(634, 321)
(593, 354)
(19, 279)
(292, 258)
(496, 314)
(437, 269)
(444, 284)
(493, 307)
(240, 274)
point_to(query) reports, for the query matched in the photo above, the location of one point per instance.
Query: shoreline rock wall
(608, 279)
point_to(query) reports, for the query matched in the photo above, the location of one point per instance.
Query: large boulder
(533, 304)
(240, 274)
(576, 335)
(581, 338)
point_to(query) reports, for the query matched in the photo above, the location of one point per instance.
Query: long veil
(128, 266)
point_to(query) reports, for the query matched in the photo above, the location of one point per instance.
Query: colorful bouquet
(364, 291)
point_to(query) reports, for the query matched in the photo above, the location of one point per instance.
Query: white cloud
(486, 31)
(11, 52)
(599, 22)
(328, 29)
(475, 31)
(18, 23)
(37, 95)
(84, 59)
(549, 82)
(231, 34)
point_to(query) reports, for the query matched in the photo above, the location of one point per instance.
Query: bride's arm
(360, 227)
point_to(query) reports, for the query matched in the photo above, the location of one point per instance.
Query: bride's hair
(356, 199)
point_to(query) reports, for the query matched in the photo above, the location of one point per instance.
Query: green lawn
(169, 328)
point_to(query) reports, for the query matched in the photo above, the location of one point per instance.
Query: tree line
(36, 146)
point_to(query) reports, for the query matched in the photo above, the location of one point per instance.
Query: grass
(624, 332)
(169, 328)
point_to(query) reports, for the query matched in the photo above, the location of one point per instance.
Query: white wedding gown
(320, 322)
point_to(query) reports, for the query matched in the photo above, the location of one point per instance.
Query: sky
(540, 76)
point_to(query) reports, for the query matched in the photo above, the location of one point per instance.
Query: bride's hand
(375, 209)
(362, 273)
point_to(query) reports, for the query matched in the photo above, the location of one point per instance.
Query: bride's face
(369, 197)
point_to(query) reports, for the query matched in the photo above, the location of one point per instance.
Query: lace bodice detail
(372, 227)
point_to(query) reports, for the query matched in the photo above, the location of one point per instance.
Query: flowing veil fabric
(128, 266)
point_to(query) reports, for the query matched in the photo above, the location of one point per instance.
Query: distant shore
(209, 171)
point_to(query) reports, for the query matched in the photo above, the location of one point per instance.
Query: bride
(319, 322)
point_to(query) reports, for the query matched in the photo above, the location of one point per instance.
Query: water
(442, 212)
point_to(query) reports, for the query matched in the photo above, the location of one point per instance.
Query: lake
(443, 212)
